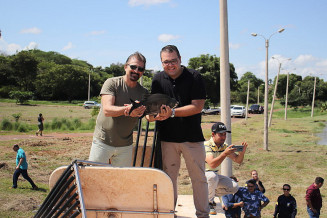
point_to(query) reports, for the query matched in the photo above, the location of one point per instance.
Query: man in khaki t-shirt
(113, 134)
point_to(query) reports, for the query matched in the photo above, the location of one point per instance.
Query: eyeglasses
(250, 186)
(286, 189)
(172, 62)
(134, 67)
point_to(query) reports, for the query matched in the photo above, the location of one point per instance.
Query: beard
(134, 77)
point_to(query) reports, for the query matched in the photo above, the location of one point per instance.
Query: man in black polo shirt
(180, 128)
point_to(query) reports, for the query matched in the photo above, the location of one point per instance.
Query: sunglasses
(286, 189)
(134, 67)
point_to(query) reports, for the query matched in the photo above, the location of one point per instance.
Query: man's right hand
(229, 150)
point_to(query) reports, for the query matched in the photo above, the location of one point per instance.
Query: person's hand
(225, 208)
(165, 113)
(17, 167)
(313, 210)
(229, 150)
(137, 112)
(241, 204)
(245, 144)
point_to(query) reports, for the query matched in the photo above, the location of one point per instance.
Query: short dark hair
(138, 56)
(170, 49)
(319, 180)
(234, 178)
(252, 181)
(287, 185)
(15, 146)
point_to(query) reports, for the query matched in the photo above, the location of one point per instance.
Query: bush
(6, 125)
(20, 96)
(23, 127)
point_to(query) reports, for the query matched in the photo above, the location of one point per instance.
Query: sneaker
(12, 187)
(212, 209)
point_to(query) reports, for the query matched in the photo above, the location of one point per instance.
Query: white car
(238, 111)
(91, 104)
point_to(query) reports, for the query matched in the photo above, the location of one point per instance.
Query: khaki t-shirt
(212, 149)
(118, 131)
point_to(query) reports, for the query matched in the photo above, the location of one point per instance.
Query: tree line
(41, 75)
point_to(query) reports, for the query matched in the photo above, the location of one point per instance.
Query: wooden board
(123, 189)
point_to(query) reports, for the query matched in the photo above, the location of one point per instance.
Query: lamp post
(247, 101)
(276, 83)
(286, 97)
(89, 87)
(265, 132)
(313, 97)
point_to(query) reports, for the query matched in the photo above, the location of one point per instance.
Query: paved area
(185, 207)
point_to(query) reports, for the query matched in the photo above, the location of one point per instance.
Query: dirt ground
(56, 148)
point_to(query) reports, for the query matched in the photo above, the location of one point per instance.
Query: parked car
(210, 111)
(255, 109)
(91, 104)
(238, 111)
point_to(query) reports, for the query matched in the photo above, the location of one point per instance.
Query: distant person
(286, 204)
(258, 185)
(232, 204)
(313, 198)
(21, 168)
(40, 120)
(113, 134)
(216, 152)
(252, 199)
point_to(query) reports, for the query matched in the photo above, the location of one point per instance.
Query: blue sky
(102, 32)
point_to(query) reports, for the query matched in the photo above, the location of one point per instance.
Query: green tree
(209, 67)
(240, 95)
(24, 65)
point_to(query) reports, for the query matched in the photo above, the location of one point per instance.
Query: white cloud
(234, 46)
(12, 48)
(68, 46)
(303, 65)
(304, 59)
(33, 30)
(167, 37)
(134, 3)
(97, 32)
(32, 45)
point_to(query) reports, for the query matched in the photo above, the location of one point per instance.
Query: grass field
(293, 156)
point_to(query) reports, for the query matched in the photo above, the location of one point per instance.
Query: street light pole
(247, 100)
(276, 83)
(265, 133)
(286, 98)
(313, 97)
(89, 87)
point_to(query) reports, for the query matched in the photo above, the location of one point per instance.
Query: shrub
(16, 116)
(23, 127)
(20, 96)
(6, 125)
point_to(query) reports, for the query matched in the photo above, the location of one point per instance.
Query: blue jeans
(24, 174)
(312, 214)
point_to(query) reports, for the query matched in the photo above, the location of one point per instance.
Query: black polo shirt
(187, 87)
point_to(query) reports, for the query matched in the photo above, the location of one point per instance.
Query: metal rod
(77, 212)
(80, 192)
(62, 209)
(54, 190)
(155, 134)
(139, 129)
(145, 142)
(70, 209)
(59, 194)
(130, 212)
(63, 198)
